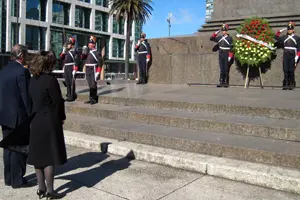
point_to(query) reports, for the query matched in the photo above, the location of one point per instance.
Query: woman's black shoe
(41, 193)
(54, 195)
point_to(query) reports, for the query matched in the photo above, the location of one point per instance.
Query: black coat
(47, 145)
(15, 104)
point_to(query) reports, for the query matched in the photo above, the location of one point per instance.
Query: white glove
(97, 74)
(282, 30)
(85, 49)
(74, 72)
(139, 42)
(296, 59)
(147, 60)
(217, 32)
(229, 59)
(64, 50)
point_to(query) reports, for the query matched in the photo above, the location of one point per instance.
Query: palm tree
(130, 10)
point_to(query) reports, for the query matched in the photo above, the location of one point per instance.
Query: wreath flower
(251, 53)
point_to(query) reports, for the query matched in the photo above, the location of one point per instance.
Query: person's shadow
(93, 176)
(80, 161)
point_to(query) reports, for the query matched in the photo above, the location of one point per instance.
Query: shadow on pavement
(87, 90)
(112, 91)
(91, 177)
(80, 161)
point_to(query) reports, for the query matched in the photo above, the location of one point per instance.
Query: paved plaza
(92, 175)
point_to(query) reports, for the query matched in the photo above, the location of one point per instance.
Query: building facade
(209, 9)
(46, 24)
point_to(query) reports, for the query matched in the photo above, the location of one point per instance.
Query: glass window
(2, 26)
(87, 1)
(35, 37)
(36, 9)
(118, 48)
(138, 30)
(101, 21)
(60, 12)
(118, 26)
(103, 3)
(82, 17)
(56, 42)
(107, 48)
(14, 34)
(15, 8)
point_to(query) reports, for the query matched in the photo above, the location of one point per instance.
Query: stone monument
(233, 12)
(191, 59)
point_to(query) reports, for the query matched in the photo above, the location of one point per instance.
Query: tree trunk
(127, 47)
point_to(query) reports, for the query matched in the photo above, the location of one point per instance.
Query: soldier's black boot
(94, 96)
(90, 97)
(140, 79)
(220, 80)
(292, 81)
(144, 80)
(226, 81)
(285, 82)
(69, 98)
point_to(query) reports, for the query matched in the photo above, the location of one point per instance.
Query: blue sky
(188, 16)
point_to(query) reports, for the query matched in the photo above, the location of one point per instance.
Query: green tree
(130, 10)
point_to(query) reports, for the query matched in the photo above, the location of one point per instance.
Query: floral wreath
(254, 44)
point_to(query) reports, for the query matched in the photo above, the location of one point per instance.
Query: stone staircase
(266, 136)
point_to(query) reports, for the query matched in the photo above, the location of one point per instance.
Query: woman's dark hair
(44, 62)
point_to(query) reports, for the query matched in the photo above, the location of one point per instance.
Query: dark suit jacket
(15, 103)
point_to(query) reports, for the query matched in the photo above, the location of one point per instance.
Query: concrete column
(49, 11)
(133, 39)
(110, 47)
(103, 54)
(8, 25)
(22, 32)
(49, 20)
(92, 19)
(72, 15)
(110, 24)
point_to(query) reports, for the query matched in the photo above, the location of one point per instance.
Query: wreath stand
(247, 81)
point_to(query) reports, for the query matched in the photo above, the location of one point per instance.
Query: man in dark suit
(15, 108)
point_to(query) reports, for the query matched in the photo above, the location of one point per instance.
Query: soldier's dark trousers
(14, 164)
(289, 70)
(69, 81)
(90, 77)
(142, 68)
(224, 67)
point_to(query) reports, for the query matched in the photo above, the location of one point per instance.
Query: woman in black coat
(46, 146)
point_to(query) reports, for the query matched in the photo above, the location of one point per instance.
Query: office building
(47, 24)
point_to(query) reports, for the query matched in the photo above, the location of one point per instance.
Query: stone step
(285, 110)
(251, 173)
(207, 121)
(246, 148)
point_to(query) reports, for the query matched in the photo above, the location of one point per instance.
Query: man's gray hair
(17, 51)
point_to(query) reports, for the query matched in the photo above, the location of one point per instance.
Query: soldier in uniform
(291, 54)
(225, 42)
(71, 60)
(93, 68)
(144, 55)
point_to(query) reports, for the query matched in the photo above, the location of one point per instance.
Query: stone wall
(182, 60)
(242, 8)
(191, 60)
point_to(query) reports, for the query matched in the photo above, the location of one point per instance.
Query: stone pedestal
(182, 60)
(233, 12)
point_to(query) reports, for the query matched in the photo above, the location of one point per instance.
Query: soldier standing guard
(291, 54)
(71, 61)
(93, 66)
(225, 42)
(144, 55)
